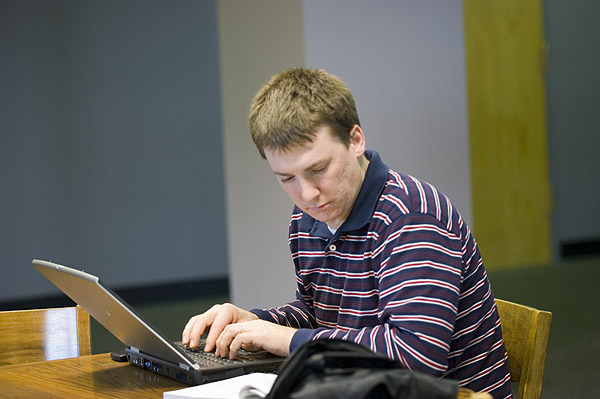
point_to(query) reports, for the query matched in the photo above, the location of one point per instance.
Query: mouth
(319, 208)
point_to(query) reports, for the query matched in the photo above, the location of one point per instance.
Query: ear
(357, 141)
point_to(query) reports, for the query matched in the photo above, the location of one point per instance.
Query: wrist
(248, 316)
(300, 337)
(261, 314)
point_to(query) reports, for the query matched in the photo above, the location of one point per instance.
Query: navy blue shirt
(402, 276)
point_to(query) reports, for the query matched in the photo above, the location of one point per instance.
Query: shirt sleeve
(296, 314)
(418, 267)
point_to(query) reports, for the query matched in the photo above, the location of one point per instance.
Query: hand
(254, 336)
(217, 318)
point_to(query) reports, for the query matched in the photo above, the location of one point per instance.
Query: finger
(197, 331)
(237, 342)
(219, 325)
(196, 325)
(226, 338)
(222, 342)
(193, 330)
(185, 335)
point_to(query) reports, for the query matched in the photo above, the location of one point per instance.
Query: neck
(363, 162)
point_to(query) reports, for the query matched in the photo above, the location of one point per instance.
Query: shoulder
(408, 198)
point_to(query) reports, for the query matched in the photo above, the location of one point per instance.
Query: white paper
(227, 389)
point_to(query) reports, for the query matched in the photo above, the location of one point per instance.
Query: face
(323, 177)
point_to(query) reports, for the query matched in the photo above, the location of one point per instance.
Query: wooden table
(94, 376)
(98, 376)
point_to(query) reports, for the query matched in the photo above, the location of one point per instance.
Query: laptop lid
(111, 311)
(144, 341)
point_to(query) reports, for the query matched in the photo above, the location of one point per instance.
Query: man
(381, 258)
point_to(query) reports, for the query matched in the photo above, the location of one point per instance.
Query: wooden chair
(525, 331)
(44, 334)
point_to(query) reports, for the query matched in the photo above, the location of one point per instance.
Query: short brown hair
(288, 110)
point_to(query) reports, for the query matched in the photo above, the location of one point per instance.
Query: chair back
(43, 334)
(525, 331)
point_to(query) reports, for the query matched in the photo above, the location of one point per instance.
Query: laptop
(145, 346)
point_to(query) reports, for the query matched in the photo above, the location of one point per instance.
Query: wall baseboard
(580, 248)
(135, 295)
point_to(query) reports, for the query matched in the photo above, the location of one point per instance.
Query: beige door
(505, 61)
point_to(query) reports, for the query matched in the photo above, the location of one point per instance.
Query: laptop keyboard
(210, 358)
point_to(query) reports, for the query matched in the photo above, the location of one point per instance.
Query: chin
(316, 217)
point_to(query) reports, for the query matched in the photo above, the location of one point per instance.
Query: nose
(308, 191)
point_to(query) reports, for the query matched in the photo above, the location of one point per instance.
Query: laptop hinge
(134, 349)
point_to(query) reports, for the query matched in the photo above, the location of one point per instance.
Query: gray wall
(573, 83)
(404, 62)
(111, 149)
(257, 40)
(110, 142)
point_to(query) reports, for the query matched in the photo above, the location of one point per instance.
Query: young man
(381, 258)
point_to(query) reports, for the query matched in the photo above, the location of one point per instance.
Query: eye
(319, 170)
(286, 179)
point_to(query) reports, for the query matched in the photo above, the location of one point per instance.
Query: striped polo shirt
(402, 276)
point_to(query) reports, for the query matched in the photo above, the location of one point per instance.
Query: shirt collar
(364, 206)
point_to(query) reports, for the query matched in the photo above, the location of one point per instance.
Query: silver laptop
(145, 346)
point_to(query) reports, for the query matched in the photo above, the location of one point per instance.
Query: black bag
(332, 369)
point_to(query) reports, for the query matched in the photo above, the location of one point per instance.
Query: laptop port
(180, 376)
